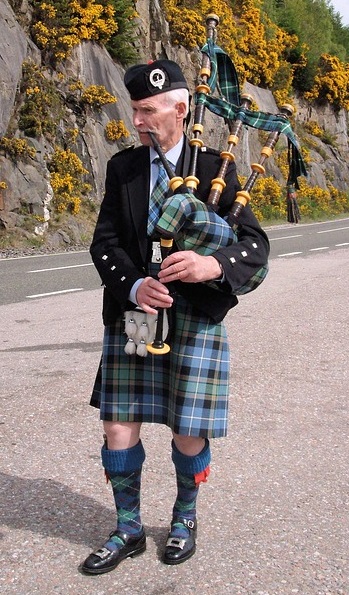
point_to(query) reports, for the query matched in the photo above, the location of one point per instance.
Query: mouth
(147, 133)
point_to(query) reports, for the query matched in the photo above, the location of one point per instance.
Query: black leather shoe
(103, 560)
(179, 550)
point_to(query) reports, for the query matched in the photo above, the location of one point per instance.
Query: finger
(171, 260)
(148, 309)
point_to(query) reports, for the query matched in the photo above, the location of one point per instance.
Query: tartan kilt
(186, 389)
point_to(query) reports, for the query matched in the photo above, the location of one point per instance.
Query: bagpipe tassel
(293, 214)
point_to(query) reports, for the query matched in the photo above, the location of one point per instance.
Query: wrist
(220, 274)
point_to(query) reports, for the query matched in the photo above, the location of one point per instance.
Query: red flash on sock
(202, 476)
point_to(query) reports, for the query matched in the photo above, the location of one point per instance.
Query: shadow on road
(51, 509)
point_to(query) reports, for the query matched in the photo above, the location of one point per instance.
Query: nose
(137, 119)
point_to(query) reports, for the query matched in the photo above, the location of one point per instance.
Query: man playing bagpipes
(187, 388)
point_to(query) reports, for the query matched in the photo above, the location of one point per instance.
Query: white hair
(175, 96)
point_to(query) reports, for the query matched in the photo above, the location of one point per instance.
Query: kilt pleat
(186, 389)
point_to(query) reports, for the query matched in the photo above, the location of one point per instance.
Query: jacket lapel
(137, 185)
(183, 164)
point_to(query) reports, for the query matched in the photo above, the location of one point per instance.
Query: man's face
(154, 114)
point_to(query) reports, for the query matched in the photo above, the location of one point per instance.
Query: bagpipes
(185, 219)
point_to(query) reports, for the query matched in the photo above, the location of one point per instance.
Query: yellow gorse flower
(87, 21)
(115, 129)
(67, 180)
(96, 96)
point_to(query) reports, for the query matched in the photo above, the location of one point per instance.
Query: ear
(181, 110)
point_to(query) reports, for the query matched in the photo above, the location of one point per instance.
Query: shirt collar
(172, 155)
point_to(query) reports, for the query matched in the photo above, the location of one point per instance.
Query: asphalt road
(274, 515)
(47, 275)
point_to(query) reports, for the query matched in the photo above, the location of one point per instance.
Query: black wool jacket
(120, 247)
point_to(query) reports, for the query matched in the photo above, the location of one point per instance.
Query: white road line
(302, 226)
(330, 230)
(286, 237)
(289, 254)
(38, 295)
(71, 266)
(344, 244)
(44, 255)
(321, 248)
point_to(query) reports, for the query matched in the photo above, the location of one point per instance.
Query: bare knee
(121, 435)
(189, 445)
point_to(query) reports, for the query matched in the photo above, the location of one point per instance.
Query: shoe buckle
(102, 553)
(175, 542)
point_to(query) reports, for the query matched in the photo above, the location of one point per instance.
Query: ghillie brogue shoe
(177, 549)
(104, 560)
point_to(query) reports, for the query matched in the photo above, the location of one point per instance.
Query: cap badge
(157, 78)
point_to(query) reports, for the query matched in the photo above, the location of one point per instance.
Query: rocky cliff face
(28, 182)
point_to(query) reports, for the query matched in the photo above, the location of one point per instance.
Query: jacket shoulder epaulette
(209, 151)
(122, 152)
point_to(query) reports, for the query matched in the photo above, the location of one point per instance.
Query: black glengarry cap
(146, 80)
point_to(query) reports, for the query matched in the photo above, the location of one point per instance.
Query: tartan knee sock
(190, 472)
(123, 468)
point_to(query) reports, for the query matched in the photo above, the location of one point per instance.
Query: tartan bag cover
(194, 226)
